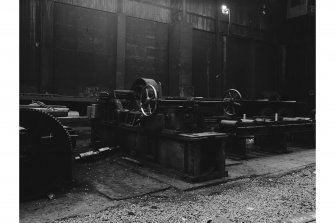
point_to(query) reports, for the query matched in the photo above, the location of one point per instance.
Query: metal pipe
(228, 22)
(184, 10)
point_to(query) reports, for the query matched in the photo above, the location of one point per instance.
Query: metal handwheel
(230, 98)
(148, 100)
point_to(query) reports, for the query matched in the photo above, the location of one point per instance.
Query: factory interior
(167, 111)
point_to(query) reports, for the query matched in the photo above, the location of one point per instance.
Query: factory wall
(81, 51)
(146, 51)
(300, 62)
(266, 61)
(239, 65)
(29, 73)
(204, 63)
(84, 50)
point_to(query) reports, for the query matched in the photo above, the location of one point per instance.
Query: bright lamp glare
(224, 9)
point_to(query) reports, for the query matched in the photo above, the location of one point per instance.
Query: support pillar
(225, 67)
(46, 46)
(252, 69)
(221, 158)
(219, 52)
(282, 78)
(180, 59)
(120, 48)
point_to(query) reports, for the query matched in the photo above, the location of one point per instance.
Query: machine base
(192, 156)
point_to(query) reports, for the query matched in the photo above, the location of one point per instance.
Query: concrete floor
(108, 185)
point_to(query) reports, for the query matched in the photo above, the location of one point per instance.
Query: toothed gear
(45, 153)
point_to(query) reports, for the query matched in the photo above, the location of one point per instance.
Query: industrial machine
(186, 136)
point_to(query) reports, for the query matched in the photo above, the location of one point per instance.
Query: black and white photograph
(165, 111)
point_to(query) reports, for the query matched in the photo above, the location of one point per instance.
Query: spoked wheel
(230, 99)
(45, 154)
(148, 100)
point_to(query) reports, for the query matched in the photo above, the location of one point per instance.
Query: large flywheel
(231, 100)
(148, 100)
(147, 92)
(45, 153)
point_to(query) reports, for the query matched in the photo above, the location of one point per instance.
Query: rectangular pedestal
(195, 156)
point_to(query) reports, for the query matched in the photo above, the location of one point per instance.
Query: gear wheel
(45, 154)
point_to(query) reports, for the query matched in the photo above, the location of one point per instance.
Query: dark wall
(79, 41)
(204, 63)
(146, 51)
(84, 50)
(300, 62)
(266, 68)
(253, 67)
(29, 51)
(239, 67)
(300, 72)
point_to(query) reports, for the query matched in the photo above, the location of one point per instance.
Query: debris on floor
(246, 199)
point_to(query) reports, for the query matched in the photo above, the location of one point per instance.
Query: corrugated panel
(200, 13)
(296, 8)
(247, 19)
(201, 23)
(239, 30)
(200, 7)
(239, 14)
(104, 5)
(166, 3)
(152, 10)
